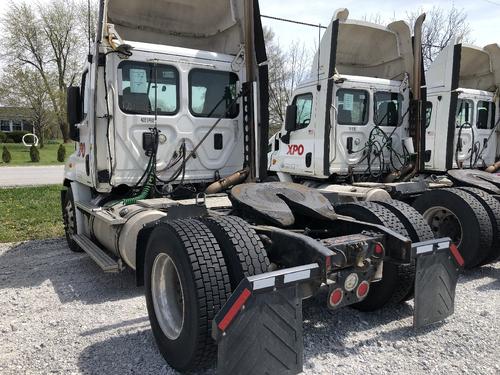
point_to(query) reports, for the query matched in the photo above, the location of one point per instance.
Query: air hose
(146, 190)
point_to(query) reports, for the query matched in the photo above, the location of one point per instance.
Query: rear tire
(416, 226)
(69, 220)
(397, 280)
(413, 221)
(456, 214)
(184, 262)
(492, 207)
(243, 250)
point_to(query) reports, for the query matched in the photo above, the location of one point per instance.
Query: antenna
(318, 85)
(89, 34)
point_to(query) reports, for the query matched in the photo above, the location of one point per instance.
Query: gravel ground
(61, 314)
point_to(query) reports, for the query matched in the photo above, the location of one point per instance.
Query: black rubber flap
(266, 337)
(471, 177)
(436, 279)
(279, 202)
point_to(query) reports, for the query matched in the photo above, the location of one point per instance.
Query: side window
(304, 105)
(211, 93)
(465, 109)
(83, 93)
(428, 114)
(5, 125)
(485, 115)
(352, 107)
(387, 108)
(147, 88)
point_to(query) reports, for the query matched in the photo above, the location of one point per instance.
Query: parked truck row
(170, 179)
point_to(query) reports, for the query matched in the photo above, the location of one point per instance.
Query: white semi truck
(171, 126)
(463, 94)
(363, 138)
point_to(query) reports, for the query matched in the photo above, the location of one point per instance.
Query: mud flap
(259, 330)
(438, 264)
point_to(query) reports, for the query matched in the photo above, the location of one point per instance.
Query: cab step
(102, 259)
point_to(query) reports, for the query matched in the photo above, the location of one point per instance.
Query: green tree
(61, 154)
(6, 157)
(22, 86)
(34, 154)
(46, 39)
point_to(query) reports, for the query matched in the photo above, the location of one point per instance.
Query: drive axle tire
(186, 283)
(414, 222)
(492, 207)
(457, 214)
(243, 250)
(69, 220)
(397, 280)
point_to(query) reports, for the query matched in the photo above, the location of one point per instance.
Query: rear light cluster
(351, 287)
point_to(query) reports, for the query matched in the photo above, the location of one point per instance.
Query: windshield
(142, 85)
(387, 106)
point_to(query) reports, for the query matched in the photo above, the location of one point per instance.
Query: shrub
(3, 137)
(9, 140)
(61, 154)
(34, 154)
(17, 136)
(6, 157)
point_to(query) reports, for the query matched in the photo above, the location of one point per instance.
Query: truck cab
(161, 88)
(462, 94)
(366, 93)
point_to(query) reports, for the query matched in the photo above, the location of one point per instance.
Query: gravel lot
(61, 314)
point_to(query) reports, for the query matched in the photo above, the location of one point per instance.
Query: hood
(365, 49)
(215, 25)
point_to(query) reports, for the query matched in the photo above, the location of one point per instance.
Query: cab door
(485, 132)
(464, 134)
(296, 153)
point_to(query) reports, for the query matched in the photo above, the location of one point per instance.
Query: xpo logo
(295, 149)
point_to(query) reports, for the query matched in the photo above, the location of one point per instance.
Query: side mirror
(291, 118)
(74, 111)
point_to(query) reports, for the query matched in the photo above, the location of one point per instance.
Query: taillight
(378, 250)
(336, 297)
(351, 282)
(363, 289)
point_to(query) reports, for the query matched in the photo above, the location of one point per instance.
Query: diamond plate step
(102, 259)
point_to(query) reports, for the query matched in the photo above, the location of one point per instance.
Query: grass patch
(21, 154)
(30, 213)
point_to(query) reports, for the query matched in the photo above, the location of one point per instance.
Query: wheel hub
(444, 223)
(168, 296)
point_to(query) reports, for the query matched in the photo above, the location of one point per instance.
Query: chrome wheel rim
(444, 223)
(168, 296)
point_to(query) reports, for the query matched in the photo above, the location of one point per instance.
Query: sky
(483, 15)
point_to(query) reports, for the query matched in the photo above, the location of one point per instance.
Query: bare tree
(439, 28)
(24, 87)
(287, 68)
(47, 39)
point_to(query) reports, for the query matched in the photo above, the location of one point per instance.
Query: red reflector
(328, 264)
(363, 289)
(379, 249)
(457, 255)
(336, 297)
(233, 311)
